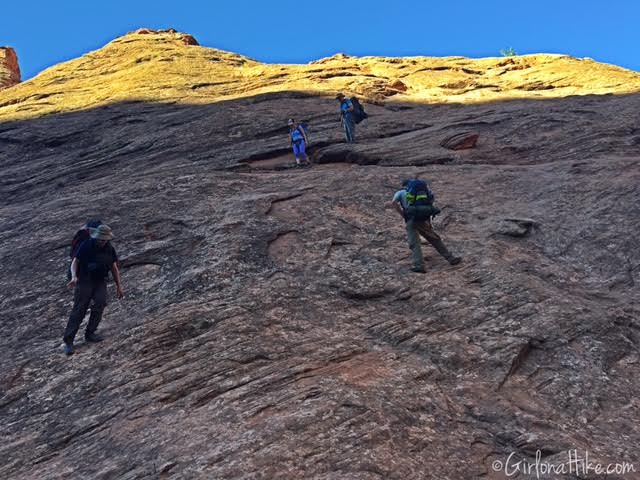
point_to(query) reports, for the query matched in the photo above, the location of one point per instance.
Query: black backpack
(358, 112)
(79, 238)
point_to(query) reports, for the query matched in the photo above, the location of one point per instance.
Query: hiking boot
(418, 270)
(93, 338)
(68, 349)
(455, 260)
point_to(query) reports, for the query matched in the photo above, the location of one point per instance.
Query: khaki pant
(416, 228)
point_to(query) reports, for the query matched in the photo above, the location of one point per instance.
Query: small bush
(508, 52)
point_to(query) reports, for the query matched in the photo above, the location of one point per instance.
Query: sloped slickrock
(272, 328)
(9, 68)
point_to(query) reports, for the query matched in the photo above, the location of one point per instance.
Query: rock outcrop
(9, 68)
(271, 326)
(460, 141)
(182, 37)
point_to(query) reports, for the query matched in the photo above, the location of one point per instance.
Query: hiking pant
(425, 229)
(83, 294)
(349, 127)
(299, 150)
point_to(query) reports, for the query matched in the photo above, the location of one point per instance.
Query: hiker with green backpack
(298, 141)
(415, 203)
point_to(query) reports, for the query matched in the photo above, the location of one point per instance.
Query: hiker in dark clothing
(299, 142)
(91, 265)
(346, 117)
(415, 204)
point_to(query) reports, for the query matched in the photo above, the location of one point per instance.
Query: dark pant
(415, 228)
(84, 293)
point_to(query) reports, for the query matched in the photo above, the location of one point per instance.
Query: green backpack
(419, 201)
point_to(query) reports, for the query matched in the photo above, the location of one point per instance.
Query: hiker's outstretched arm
(398, 207)
(116, 274)
(74, 273)
(116, 277)
(303, 133)
(74, 268)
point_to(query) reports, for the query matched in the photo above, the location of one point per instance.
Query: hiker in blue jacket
(346, 117)
(298, 140)
(415, 203)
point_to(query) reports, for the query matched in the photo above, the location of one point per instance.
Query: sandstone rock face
(272, 328)
(9, 68)
(165, 65)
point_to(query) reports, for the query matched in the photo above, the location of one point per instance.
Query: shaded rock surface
(272, 328)
(9, 68)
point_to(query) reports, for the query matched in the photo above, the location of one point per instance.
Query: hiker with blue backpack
(415, 203)
(298, 141)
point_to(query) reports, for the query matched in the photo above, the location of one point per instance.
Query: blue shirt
(401, 196)
(345, 105)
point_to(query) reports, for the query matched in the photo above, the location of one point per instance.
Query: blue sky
(46, 32)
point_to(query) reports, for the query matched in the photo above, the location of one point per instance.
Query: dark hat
(339, 95)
